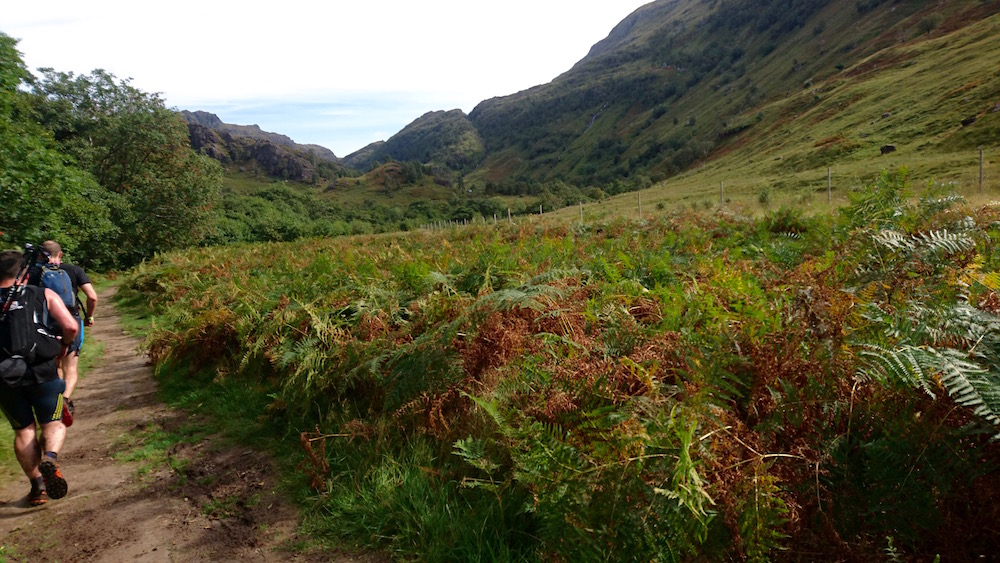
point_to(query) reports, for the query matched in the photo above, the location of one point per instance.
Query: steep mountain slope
(444, 138)
(213, 122)
(679, 81)
(679, 77)
(765, 96)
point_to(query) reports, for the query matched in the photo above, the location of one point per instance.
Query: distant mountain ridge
(444, 138)
(679, 80)
(212, 121)
(674, 83)
(247, 148)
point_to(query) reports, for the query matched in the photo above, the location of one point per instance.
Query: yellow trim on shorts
(59, 408)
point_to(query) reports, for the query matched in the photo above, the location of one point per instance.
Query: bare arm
(62, 316)
(88, 290)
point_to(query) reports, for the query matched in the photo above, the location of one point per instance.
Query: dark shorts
(77, 344)
(23, 405)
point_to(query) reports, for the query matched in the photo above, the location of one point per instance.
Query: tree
(138, 151)
(42, 194)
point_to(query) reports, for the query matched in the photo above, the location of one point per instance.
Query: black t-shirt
(76, 275)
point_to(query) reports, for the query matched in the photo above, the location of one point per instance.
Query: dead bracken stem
(315, 466)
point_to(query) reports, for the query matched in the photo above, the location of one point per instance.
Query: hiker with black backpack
(31, 321)
(67, 280)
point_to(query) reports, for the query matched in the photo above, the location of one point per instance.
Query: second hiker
(67, 280)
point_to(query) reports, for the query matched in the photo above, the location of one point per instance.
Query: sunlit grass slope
(914, 95)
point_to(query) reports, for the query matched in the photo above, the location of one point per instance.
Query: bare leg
(53, 435)
(27, 451)
(70, 373)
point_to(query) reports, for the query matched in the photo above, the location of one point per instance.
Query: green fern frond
(489, 407)
(931, 205)
(969, 384)
(944, 242)
(893, 240)
(902, 365)
(440, 282)
(534, 297)
(966, 382)
(976, 329)
(762, 517)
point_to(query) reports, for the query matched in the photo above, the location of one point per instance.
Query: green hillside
(440, 138)
(696, 104)
(936, 100)
(680, 83)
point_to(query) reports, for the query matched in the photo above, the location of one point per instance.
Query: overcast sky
(338, 73)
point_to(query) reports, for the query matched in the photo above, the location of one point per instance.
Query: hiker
(79, 280)
(30, 387)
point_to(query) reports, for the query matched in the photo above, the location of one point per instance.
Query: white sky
(339, 73)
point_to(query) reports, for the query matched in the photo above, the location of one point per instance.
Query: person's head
(10, 265)
(53, 250)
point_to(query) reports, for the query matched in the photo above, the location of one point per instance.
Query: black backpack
(26, 339)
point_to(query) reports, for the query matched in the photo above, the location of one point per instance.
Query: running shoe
(55, 484)
(37, 496)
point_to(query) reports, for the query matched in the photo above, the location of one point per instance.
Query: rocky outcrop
(212, 122)
(254, 155)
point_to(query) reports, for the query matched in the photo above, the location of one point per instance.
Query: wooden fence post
(829, 185)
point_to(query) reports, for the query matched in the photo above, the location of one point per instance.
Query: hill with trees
(439, 138)
(681, 89)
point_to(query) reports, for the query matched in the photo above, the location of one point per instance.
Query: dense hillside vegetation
(679, 81)
(689, 386)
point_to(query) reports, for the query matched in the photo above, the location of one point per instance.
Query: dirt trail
(113, 514)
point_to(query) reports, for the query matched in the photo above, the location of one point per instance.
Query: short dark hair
(10, 264)
(52, 248)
